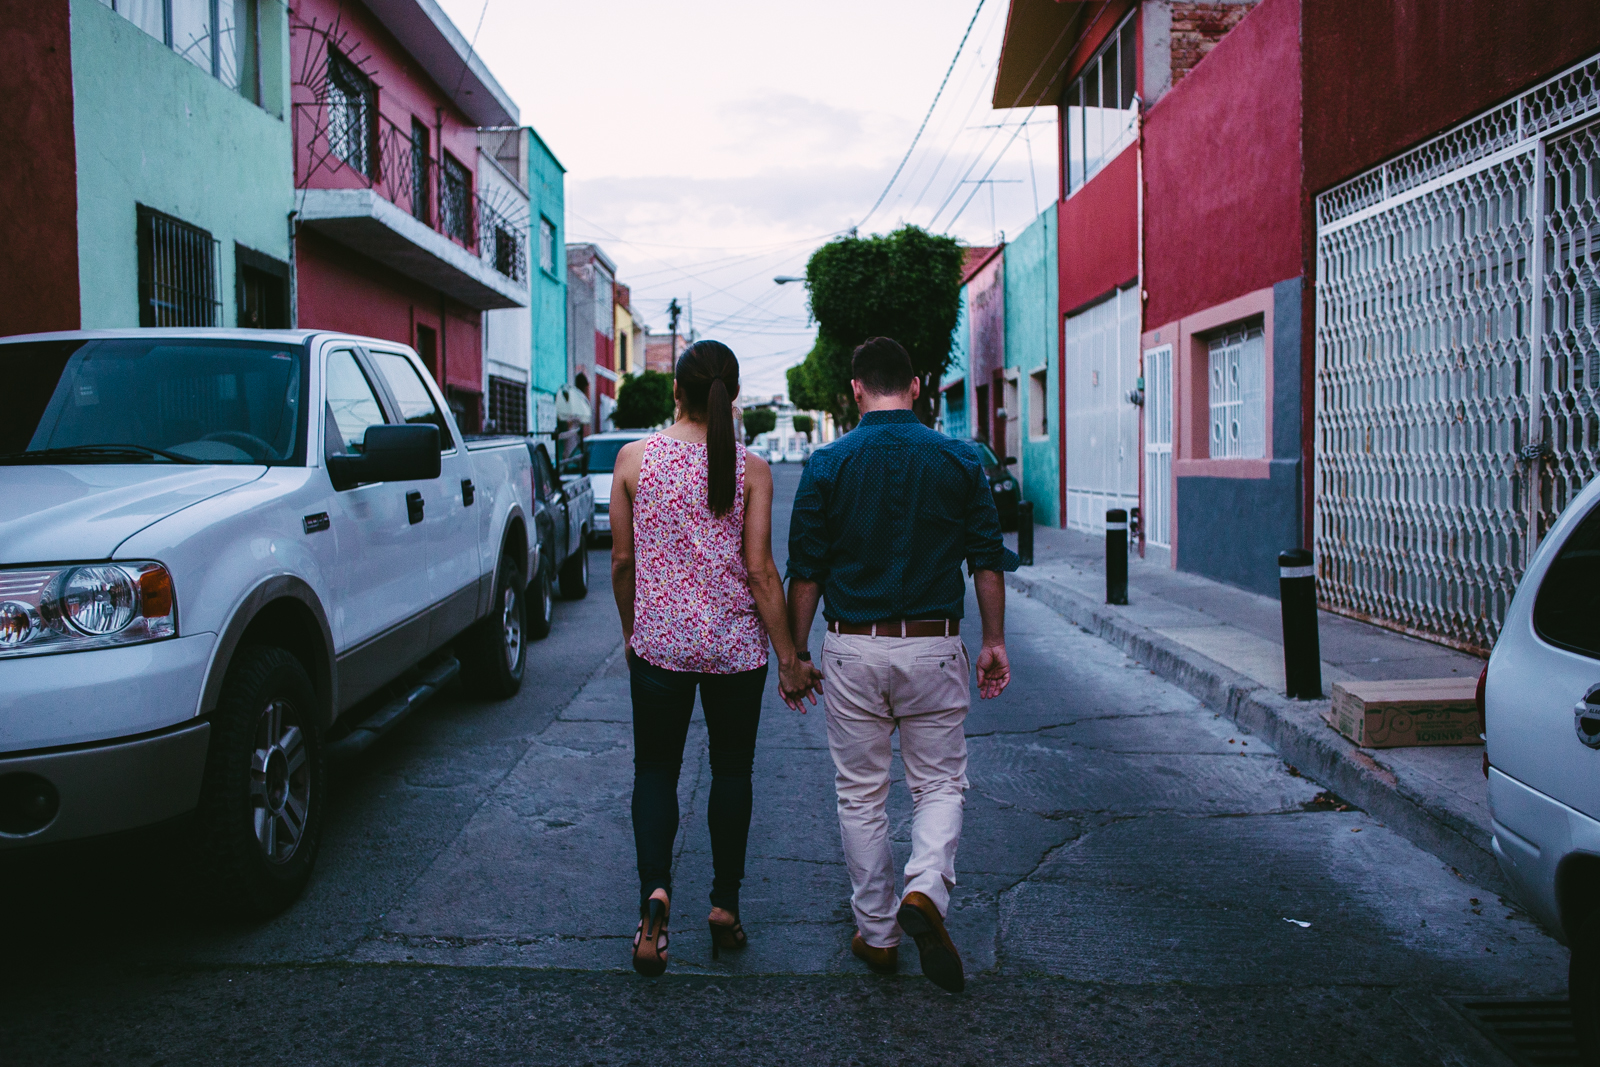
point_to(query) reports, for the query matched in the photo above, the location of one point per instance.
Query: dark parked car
(1007, 493)
(564, 515)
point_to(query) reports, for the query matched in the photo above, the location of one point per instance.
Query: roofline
(473, 90)
(972, 272)
(1038, 45)
(605, 260)
(542, 143)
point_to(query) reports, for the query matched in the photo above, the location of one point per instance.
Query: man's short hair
(882, 367)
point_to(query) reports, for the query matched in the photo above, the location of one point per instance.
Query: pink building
(392, 238)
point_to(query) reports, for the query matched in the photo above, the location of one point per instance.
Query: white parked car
(1541, 697)
(217, 549)
(600, 459)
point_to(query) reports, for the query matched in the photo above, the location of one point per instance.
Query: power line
(926, 117)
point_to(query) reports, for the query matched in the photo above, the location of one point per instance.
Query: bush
(759, 420)
(803, 424)
(645, 400)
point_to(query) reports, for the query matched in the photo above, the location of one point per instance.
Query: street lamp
(785, 279)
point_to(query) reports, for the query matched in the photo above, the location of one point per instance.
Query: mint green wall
(1032, 342)
(153, 129)
(547, 194)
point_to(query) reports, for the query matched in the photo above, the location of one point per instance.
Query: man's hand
(797, 680)
(994, 671)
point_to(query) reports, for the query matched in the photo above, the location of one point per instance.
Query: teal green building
(1032, 352)
(547, 212)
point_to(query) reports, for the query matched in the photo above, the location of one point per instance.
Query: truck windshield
(152, 400)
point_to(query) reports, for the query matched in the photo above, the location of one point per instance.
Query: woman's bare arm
(766, 586)
(624, 483)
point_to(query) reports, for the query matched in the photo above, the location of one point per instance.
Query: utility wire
(925, 118)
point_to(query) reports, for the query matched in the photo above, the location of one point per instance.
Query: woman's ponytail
(708, 373)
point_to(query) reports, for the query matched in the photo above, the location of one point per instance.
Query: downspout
(1144, 295)
(294, 272)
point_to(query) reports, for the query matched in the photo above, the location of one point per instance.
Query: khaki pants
(872, 686)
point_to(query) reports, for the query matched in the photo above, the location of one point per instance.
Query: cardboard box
(1424, 711)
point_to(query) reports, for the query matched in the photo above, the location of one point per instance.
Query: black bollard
(1297, 594)
(1025, 532)
(1116, 556)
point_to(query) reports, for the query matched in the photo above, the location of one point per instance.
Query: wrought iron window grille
(179, 272)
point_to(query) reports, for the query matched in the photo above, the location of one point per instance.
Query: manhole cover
(1535, 1033)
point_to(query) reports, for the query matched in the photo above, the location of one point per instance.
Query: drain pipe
(294, 272)
(1144, 295)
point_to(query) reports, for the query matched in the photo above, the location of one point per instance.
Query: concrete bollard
(1297, 595)
(1116, 556)
(1025, 532)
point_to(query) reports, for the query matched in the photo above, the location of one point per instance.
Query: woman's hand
(797, 680)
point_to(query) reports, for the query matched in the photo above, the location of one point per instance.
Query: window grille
(420, 163)
(547, 246)
(1099, 107)
(350, 104)
(1158, 446)
(1238, 372)
(218, 37)
(178, 279)
(508, 406)
(1455, 362)
(455, 201)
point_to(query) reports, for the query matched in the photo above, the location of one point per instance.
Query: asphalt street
(1139, 882)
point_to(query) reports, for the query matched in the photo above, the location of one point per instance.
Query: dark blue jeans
(663, 702)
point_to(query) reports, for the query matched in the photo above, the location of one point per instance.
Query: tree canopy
(758, 420)
(643, 401)
(905, 285)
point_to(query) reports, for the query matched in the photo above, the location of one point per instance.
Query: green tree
(822, 383)
(803, 424)
(758, 420)
(905, 285)
(644, 400)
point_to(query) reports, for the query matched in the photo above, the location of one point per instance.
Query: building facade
(394, 237)
(1347, 254)
(507, 332)
(591, 330)
(156, 189)
(1032, 364)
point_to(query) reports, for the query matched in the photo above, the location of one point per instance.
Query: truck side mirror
(405, 453)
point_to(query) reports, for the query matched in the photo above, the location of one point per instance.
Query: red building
(392, 238)
(1337, 269)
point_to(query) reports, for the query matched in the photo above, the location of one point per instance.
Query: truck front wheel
(575, 572)
(261, 802)
(494, 651)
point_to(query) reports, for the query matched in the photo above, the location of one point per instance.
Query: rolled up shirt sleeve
(985, 549)
(808, 532)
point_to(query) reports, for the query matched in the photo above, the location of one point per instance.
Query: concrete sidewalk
(1224, 645)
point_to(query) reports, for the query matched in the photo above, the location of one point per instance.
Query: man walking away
(882, 522)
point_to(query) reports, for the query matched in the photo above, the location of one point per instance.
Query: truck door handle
(1586, 717)
(414, 506)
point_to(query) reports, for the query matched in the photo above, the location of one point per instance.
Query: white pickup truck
(218, 548)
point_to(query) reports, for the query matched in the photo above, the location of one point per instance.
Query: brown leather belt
(899, 628)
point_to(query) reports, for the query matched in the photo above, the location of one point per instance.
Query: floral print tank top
(692, 605)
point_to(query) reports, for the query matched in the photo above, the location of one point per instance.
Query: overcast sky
(712, 145)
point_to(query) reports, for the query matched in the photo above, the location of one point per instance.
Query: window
(428, 348)
(547, 245)
(420, 161)
(505, 253)
(350, 97)
(411, 393)
(455, 201)
(544, 477)
(508, 406)
(980, 402)
(178, 283)
(1038, 405)
(261, 284)
(218, 36)
(1569, 596)
(1097, 109)
(622, 351)
(352, 406)
(1238, 380)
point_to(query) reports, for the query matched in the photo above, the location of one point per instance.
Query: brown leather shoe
(940, 960)
(881, 960)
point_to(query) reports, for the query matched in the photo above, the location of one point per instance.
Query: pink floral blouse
(692, 605)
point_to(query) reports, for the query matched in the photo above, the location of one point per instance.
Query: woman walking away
(699, 596)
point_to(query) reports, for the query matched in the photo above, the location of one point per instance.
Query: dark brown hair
(708, 373)
(881, 366)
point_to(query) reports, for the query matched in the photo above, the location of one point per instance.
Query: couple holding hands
(883, 520)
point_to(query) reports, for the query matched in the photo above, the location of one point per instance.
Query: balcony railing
(345, 144)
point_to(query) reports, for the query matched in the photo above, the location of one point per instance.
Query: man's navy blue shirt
(885, 516)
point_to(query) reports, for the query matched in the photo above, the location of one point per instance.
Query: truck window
(1569, 596)
(416, 403)
(352, 405)
(544, 476)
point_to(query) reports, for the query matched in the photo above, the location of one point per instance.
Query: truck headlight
(78, 607)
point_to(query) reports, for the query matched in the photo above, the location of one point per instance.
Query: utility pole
(673, 311)
(692, 337)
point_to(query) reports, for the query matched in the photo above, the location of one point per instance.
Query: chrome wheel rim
(280, 782)
(511, 627)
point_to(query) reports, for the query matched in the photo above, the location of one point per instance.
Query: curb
(1294, 727)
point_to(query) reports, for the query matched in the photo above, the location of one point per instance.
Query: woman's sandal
(726, 935)
(650, 941)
